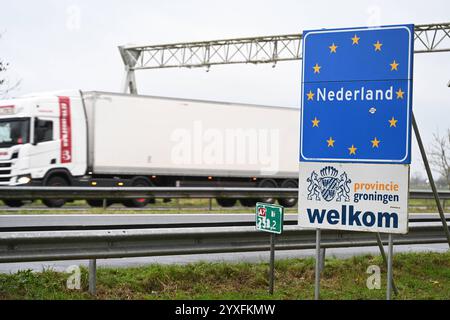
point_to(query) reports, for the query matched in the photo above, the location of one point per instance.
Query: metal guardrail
(74, 222)
(428, 194)
(29, 193)
(141, 192)
(101, 244)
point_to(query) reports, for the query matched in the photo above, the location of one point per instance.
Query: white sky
(54, 45)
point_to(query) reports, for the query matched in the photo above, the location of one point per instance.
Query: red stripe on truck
(65, 130)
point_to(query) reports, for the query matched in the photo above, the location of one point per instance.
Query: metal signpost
(355, 133)
(269, 218)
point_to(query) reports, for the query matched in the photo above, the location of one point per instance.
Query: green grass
(425, 205)
(417, 275)
(182, 206)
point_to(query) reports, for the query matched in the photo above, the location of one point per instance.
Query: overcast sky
(54, 45)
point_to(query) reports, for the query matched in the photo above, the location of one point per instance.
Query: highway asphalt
(87, 221)
(124, 219)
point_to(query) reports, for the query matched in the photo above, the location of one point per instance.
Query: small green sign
(269, 217)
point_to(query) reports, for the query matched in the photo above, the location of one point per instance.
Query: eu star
(355, 39)
(310, 95)
(393, 122)
(352, 149)
(330, 142)
(377, 46)
(315, 122)
(375, 142)
(394, 66)
(317, 68)
(333, 48)
(399, 93)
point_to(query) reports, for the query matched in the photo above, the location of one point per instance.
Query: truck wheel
(267, 183)
(55, 181)
(140, 202)
(248, 202)
(226, 202)
(14, 203)
(288, 202)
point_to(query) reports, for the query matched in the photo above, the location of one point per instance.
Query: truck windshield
(14, 131)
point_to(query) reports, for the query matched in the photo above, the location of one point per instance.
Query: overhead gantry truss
(269, 49)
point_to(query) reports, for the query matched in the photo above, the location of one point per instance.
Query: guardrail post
(177, 184)
(386, 262)
(322, 259)
(272, 263)
(317, 273)
(93, 277)
(389, 268)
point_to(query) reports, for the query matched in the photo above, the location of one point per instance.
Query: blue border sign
(357, 95)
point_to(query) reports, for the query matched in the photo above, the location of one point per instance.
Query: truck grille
(5, 172)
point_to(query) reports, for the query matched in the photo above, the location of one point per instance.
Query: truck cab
(42, 137)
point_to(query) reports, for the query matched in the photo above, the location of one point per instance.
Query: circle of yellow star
(355, 39)
(393, 122)
(310, 95)
(352, 149)
(315, 122)
(330, 142)
(399, 93)
(375, 142)
(317, 68)
(377, 46)
(394, 65)
(333, 48)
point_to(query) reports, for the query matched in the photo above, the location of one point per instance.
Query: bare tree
(440, 155)
(5, 85)
(3, 67)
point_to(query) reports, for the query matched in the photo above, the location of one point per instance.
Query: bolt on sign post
(269, 218)
(355, 131)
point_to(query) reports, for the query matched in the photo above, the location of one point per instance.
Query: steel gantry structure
(267, 49)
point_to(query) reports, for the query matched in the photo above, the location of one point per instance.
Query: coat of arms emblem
(329, 185)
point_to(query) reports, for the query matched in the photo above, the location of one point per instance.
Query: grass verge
(176, 206)
(417, 276)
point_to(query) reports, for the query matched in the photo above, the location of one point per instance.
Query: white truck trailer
(93, 138)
